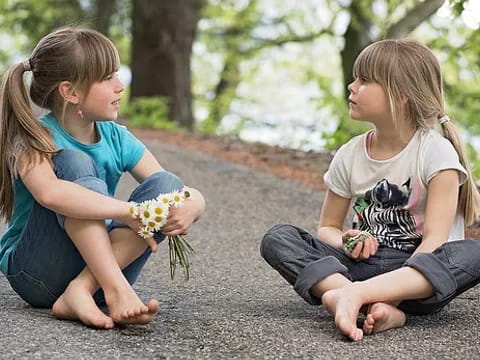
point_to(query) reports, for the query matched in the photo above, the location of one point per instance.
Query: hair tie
(26, 65)
(443, 119)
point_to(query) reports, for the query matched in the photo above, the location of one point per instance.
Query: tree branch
(264, 43)
(413, 18)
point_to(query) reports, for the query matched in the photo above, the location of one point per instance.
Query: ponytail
(20, 133)
(469, 197)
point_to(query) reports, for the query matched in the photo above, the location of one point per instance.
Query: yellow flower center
(176, 198)
(158, 211)
(158, 219)
(151, 224)
(146, 214)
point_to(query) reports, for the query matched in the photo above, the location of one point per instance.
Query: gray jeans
(304, 260)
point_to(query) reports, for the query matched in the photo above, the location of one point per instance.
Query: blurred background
(273, 71)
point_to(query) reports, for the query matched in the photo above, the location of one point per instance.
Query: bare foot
(76, 303)
(344, 305)
(382, 317)
(126, 308)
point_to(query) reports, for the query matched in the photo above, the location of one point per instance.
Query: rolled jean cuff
(90, 182)
(315, 272)
(437, 273)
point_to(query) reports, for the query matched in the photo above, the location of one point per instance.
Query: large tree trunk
(102, 14)
(163, 34)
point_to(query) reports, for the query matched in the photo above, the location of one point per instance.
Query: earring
(80, 113)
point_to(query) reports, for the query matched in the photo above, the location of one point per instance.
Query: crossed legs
(105, 255)
(322, 274)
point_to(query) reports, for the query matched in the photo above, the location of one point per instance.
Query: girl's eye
(110, 76)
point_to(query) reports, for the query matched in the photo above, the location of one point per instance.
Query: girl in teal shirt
(58, 175)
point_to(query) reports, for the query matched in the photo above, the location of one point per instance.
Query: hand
(364, 249)
(179, 220)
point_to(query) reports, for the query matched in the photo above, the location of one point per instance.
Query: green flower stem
(179, 248)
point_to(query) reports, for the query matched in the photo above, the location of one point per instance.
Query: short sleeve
(439, 154)
(337, 178)
(131, 148)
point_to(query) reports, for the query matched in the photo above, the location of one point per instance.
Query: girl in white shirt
(411, 192)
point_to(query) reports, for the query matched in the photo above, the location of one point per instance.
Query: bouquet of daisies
(153, 215)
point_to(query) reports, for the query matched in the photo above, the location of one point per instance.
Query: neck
(388, 141)
(81, 129)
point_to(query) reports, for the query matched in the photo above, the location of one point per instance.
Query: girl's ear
(68, 93)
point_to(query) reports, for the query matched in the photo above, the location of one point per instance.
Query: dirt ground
(306, 168)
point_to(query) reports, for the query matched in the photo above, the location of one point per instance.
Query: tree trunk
(103, 11)
(163, 33)
(356, 38)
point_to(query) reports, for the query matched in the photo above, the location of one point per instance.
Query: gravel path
(234, 306)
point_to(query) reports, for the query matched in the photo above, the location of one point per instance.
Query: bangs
(376, 61)
(99, 58)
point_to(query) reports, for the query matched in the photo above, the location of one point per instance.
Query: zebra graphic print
(382, 214)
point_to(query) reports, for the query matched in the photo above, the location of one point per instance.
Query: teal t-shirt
(116, 151)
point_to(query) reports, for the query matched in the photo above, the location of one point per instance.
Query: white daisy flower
(133, 209)
(177, 198)
(164, 198)
(145, 212)
(145, 233)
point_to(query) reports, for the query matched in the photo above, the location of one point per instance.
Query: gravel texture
(234, 306)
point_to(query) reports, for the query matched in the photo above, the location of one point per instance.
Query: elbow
(46, 198)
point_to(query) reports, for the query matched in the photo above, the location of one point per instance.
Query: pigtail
(469, 197)
(20, 133)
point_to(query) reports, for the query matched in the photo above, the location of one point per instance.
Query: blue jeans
(45, 260)
(304, 260)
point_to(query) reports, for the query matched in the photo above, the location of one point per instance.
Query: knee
(163, 182)
(275, 242)
(462, 254)
(71, 165)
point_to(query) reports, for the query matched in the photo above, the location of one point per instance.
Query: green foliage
(35, 19)
(474, 160)
(151, 113)
(458, 6)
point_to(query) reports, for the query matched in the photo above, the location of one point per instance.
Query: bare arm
(332, 217)
(68, 198)
(442, 200)
(330, 227)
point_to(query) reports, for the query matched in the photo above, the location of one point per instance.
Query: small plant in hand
(153, 215)
(352, 241)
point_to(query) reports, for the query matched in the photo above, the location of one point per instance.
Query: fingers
(171, 232)
(349, 233)
(176, 226)
(152, 244)
(364, 249)
(357, 251)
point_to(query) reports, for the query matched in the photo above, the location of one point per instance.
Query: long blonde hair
(80, 56)
(410, 74)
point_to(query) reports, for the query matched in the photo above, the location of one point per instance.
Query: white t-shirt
(389, 196)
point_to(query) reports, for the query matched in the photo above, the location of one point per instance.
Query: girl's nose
(350, 87)
(119, 86)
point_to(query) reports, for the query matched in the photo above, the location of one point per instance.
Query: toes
(152, 306)
(357, 335)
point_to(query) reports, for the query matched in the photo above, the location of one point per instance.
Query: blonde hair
(410, 74)
(80, 56)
